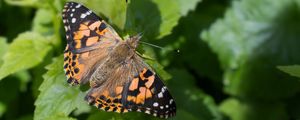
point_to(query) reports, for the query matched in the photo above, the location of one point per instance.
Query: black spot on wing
(148, 73)
(102, 27)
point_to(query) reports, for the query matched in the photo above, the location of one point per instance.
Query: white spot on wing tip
(147, 111)
(160, 95)
(171, 101)
(155, 104)
(89, 12)
(163, 89)
(66, 28)
(78, 6)
(73, 20)
(82, 15)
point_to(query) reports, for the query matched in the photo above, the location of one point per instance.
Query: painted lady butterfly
(120, 80)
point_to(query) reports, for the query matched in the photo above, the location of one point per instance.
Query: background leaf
(32, 3)
(27, 50)
(191, 100)
(293, 70)
(154, 20)
(3, 46)
(251, 42)
(253, 111)
(2, 109)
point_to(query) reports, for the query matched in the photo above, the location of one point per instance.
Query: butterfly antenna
(141, 34)
(152, 45)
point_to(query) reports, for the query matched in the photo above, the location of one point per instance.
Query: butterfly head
(133, 41)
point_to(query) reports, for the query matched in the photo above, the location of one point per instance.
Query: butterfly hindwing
(137, 89)
(109, 95)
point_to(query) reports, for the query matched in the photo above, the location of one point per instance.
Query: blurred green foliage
(237, 59)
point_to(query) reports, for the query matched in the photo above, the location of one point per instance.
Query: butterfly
(120, 81)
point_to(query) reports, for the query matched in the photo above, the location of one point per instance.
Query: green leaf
(181, 115)
(253, 111)
(251, 41)
(293, 70)
(57, 99)
(24, 78)
(117, 116)
(184, 48)
(190, 99)
(26, 51)
(3, 46)
(42, 22)
(154, 18)
(2, 109)
(37, 74)
(101, 114)
(31, 3)
(185, 6)
(9, 89)
(26, 117)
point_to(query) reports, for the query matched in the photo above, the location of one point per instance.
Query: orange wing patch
(73, 69)
(105, 101)
(94, 25)
(92, 40)
(88, 34)
(134, 84)
(78, 35)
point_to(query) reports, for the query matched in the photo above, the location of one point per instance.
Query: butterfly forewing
(86, 33)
